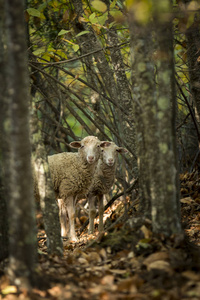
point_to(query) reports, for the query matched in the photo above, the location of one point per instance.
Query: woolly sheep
(72, 175)
(103, 180)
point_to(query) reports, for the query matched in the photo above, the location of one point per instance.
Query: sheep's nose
(110, 161)
(90, 158)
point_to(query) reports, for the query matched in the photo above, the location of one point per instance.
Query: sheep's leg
(63, 218)
(71, 215)
(92, 213)
(101, 211)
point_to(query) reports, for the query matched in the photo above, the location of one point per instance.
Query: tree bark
(144, 98)
(22, 226)
(46, 192)
(89, 42)
(193, 54)
(165, 196)
(155, 117)
(3, 219)
(124, 95)
(3, 205)
(118, 89)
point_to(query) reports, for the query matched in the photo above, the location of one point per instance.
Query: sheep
(103, 180)
(72, 174)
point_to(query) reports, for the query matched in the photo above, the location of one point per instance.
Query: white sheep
(103, 180)
(72, 174)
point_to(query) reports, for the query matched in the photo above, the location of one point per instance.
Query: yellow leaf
(99, 5)
(141, 9)
(75, 47)
(68, 41)
(193, 5)
(10, 289)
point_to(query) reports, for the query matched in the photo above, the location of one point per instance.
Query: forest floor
(126, 262)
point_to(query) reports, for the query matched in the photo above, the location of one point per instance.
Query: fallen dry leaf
(94, 257)
(186, 200)
(156, 256)
(147, 233)
(127, 285)
(108, 279)
(55, 291)
(191, 275)
(118, 271)
(160, 265)
(10, 289)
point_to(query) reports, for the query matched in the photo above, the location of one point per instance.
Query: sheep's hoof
(64, 233)
(73, 239)
(64, 236)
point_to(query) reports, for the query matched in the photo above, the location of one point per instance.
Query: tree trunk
(22, 226)
(3, 206)
(118, 90)
(193, 54)
(3, 219)
(155, 117)
(124, 95)
(90, 43)
(165, 196)
(46, 192)
(144, 99)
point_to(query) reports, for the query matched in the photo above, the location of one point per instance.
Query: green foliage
(99, 5)
(53, 39)
(63, 31)
(142, 9)
(58, 35)
(34, 12)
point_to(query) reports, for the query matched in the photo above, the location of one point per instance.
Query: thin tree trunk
(193, 54)
(144, 98)
(46, 192)
(117, 90)
(104, 78)
(22, 226)
(124, 95)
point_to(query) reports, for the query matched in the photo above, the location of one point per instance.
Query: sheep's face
(89, 148)
(110, 151)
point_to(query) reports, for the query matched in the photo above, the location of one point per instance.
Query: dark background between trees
(124, 73)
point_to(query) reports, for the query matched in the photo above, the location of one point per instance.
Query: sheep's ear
(122, 150)
(75, 144)
(105, 144)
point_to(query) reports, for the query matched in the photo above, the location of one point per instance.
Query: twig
(195, 159)
(115, 103)
(79, 57)
(184, 122)
(190, 110)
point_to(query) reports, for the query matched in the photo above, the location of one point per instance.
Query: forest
(99, 149)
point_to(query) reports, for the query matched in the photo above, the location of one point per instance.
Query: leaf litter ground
(126, 262)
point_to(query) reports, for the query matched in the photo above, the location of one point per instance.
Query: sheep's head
(89, 148)
(110, 151)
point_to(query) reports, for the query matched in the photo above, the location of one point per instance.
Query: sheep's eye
(82, 146)
(98, 146)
